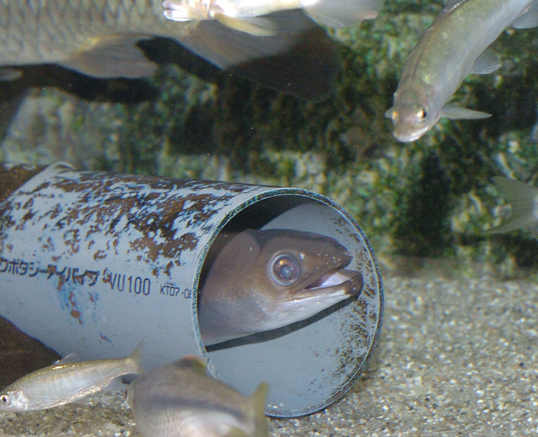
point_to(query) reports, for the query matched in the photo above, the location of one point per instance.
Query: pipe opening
(288, 335)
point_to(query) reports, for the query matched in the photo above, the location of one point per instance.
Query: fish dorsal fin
(70, 358)
(522, 199)
(136, 359)
(113, 56)
(10, 74)
(192, 362)
(529, 19)
(486, 63)
(257, 26)
(343, 13)
(455, 112)
(300, 59)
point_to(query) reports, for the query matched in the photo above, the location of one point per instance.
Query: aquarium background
(458, 347)
(418, 203)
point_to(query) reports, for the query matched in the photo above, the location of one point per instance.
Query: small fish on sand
(182, 400)
(251, 16)
(523, 199)
(262, 280)
(65, 382)
(99, 38)
(455, 45)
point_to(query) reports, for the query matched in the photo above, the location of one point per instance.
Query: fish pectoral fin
(115, 56)
(257, 26)
(389, 113)
(10, 74)
(343, 13)
(486, 63)
(455, 112)
(528, 19)
(84, 400)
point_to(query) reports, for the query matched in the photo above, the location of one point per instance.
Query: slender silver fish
(523, 199)
(245, 15)
(182, 400)
(99, 38)
(65, 382)
(267, 279)
(455, 45)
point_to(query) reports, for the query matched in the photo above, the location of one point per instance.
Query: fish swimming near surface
(523, 199)
(65, 382)
(100, 38)
(250, 15)
(456, 44)
(182, 400)
(262, 280)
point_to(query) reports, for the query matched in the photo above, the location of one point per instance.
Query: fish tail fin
(524, 201)
(342, 13)
(136, 359)
(258, 399)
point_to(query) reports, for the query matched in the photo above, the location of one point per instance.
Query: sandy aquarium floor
(455, 358)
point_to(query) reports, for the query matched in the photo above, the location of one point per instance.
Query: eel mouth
(338, 281)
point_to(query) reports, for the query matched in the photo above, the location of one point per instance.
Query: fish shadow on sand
(261, 337)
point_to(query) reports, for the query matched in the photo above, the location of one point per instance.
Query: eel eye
(285, 270)
(5, 400)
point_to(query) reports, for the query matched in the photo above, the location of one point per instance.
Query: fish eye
(422, 114)
(285, 270)
(5, 400)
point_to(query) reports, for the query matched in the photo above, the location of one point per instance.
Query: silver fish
(455, 45)
(182, 400)
(99, 38)
(524, 201)
(267, 279)
(65, 382)
(245, 15)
